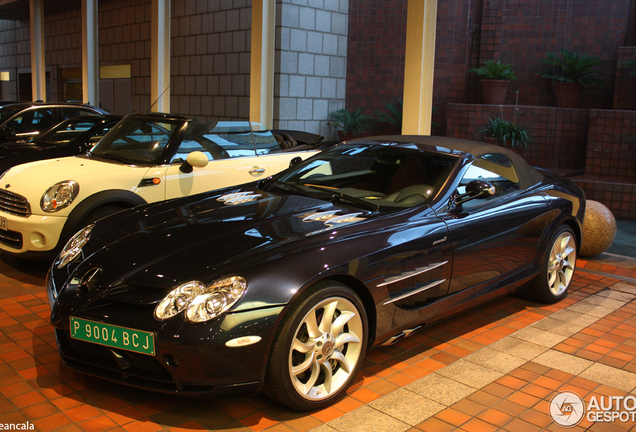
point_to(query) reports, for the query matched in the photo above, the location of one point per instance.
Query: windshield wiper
(325, 193)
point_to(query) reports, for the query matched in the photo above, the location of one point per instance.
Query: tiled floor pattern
(493, 367)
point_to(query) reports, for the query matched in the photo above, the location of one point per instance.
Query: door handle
(257, 170)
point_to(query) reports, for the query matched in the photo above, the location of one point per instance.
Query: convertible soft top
(528, 176)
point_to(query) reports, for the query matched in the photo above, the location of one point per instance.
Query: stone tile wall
(311, 59)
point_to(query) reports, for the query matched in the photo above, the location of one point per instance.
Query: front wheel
(318, 349)
(557, 268)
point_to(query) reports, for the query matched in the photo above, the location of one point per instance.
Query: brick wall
(559, 135)
(611, 144)
(625, 82)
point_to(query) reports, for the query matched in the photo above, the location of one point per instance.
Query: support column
(419, 66)
(262, 62)
(90, 53)
(160, 56)
(38, 72)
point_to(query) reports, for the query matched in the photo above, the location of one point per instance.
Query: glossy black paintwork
(145, 252)
(16, 153)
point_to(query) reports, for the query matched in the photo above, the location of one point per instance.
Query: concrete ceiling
(19, 9)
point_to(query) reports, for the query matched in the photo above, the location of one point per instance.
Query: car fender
(121, 197)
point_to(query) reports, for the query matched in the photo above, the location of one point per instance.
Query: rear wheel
(318, 349)
(557, 268)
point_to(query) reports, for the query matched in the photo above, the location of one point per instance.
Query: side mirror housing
(195, 159)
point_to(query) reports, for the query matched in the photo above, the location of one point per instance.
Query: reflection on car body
(284, 283)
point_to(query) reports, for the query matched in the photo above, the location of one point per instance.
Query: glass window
(496, 169)
(33, 121)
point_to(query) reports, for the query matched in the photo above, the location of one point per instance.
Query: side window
(494, 168)
(188, 146)
(266, 143)
(33, 121)
(70, 112)
(233, 144)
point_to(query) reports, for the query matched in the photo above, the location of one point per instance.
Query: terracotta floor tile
(365, 395)
(495, 417)
(258, 422)
(453, 416)
(536, 418)
(97, 424)
(40, 410)
(433, 424)
(51, 422)
(518, 425)
(511, 382)
(327, 414)
(468, 407)
(524, 399)
(477, 425)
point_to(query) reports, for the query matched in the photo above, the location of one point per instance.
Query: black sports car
(284, 284)
(71, 137)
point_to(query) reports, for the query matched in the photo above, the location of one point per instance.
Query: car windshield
(389, 176)
(66, 131)
(138, 139)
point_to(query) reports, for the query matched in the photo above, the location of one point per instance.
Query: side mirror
(479, 189)
(295, 161)
(195, 159)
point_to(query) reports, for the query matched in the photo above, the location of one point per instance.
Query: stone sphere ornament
(599, 229)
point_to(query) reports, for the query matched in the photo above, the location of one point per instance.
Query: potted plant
(350, 124)
(495, 82)
(504, 132)
(570, 72)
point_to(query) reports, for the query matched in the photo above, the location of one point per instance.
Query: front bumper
(190, 359)
(30, 234)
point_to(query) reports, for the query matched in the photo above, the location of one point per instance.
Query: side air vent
(239, 198)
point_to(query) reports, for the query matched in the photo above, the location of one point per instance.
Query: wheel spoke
(326, 368)
(303, 347)
(309, 361)
(315, 373)
(342, 360)
(339, 323)
(552, 277)
(312, 325)
(327, 316)
(568, 251)
(345, 338)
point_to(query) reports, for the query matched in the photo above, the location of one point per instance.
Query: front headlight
(59, 196)
(199, 302)
(74, 246)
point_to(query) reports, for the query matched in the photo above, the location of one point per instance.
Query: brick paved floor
(495, 367)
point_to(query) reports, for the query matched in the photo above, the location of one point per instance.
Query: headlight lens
(202, 303)
(74, 246)
(59, 196)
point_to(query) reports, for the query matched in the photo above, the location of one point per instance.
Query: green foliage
(492, 70)
(351, 122)
(394, 115)
(507, 132)
(631, 63)
(572, 67)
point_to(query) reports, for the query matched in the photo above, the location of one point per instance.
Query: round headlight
(74, 246)
(216, 299)
(59, 196)
(178, 299)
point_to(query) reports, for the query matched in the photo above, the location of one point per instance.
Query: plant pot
(494, 91)
(489, 140)
(566, 94)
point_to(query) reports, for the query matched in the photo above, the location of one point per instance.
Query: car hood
(9, 149)
(206, 236)
(32, 179)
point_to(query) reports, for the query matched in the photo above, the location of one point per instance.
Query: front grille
(14, 203)
(11, 238)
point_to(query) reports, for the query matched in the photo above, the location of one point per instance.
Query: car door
(493, 238)
(229, 163)
(31, 122)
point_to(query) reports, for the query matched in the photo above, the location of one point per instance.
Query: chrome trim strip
(407, 275)
(424, 288)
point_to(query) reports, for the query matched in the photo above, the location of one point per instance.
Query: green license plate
(113, 336)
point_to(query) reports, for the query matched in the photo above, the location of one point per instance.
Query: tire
(314, 360)
(557, 268)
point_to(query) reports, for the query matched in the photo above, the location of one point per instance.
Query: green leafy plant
(631, 64)
(351, 122)
(498, 71)
(507, 132)
(573, 67)
(394, 114)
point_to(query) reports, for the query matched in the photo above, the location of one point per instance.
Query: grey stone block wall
(310, 80)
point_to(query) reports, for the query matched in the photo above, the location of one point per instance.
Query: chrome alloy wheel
(326, 348)
(561, 263)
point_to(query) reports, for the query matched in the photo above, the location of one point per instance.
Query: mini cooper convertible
(285, 283)
(144, 158)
